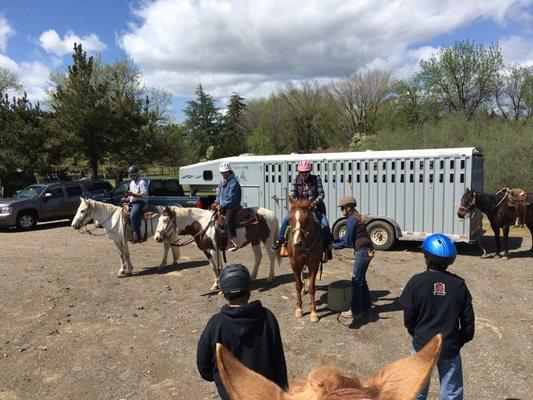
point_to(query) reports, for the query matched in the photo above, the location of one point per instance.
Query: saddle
(243, 218)
(519, 200)
(146, 216)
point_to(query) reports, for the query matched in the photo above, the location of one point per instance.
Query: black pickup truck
(162, 192)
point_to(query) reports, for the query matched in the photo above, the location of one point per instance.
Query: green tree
(202, 122)
(81, 107)
(462, 76)
(513, 93)
(8, 80)
(232, 140)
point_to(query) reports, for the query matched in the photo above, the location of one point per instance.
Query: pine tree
(232, 139)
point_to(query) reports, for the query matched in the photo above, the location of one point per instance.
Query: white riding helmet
(224, 167)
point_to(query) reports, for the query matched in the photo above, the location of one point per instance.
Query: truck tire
(381, 234)
(26, 220)
(339, 229)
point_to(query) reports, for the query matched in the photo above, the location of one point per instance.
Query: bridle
(173, 226)
(305, 233)
(471, 206)
(86, 218)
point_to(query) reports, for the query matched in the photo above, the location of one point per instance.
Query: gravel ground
(69, 329)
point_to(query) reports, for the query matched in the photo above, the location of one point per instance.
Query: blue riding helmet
(439, 250)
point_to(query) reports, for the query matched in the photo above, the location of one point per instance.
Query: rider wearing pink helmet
(308, 186)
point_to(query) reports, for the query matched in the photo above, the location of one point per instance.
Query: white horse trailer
(407, 194)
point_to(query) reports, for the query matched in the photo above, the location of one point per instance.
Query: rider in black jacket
(248, 330)
(437, 301)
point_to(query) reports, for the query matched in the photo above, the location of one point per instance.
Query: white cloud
(52, 42)
(517, 50)
(33, 75)
(250, 47)
(5, 32)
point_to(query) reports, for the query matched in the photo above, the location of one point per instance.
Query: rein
(89, 231)
(305, 233)
(177, 243)
(344, 392)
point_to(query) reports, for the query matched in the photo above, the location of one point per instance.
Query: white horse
(112, 219)
(200, 224)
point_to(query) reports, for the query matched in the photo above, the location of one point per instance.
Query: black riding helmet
(133, 169)
(235, 281)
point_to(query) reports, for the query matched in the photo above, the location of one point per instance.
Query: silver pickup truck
(49, 202)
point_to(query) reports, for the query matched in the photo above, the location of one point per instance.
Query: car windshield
(31, 191)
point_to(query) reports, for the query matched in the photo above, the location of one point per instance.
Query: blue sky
(251, 48)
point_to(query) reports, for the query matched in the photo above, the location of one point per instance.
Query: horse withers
(200, 224)
(304, 249)
(500, 215)
(111, 219)
(400, 380)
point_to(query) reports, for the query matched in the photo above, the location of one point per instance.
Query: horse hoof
(313, 317)
(505, 257)
(123, 274)
(214, 287)
(497, 256)
(298, 313)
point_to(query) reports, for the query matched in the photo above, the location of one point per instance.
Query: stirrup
(278, 245)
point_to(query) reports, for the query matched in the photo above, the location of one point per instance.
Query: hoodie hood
(241, 321)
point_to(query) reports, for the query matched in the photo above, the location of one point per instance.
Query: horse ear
(242, 383)
(404, 379)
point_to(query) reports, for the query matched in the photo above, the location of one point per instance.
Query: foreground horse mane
(109, 207)
(300, 203)
(400, 380)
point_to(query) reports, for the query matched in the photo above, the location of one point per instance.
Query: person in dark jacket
(437, 301)
(229, 200)
(307, 186)
(356, 237)
(248, 330)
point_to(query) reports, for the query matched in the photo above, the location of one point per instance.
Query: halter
(305, 233)
(85, 221)
(470, 207)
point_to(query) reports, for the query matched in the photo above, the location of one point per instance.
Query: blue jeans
(326, 232)
(136, 207)
(361, 301)
(451, 379)
(230, 223)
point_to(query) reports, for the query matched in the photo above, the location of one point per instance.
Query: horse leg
(164, 262)
(124, 258)
(496, 230)
(298, 312)
(213, 258)
(272, 259)
(175, 254)
(506, 241)
(129, 265)
(530, 226)
(257, 256)
(311, 288)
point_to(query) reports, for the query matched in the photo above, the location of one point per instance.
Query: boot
(135, 237)
(278, 245)
(233, 246)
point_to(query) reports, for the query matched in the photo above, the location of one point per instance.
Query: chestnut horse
(304, 248)
(400, 380)
(500, 215)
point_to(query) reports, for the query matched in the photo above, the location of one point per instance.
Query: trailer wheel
(339, 229)
(381, 234)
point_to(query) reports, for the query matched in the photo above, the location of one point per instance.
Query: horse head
(166, 225)
(83, 215)
(468, 203)
(302, 223)
(400, 380)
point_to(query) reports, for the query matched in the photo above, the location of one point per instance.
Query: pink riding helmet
(304, 166)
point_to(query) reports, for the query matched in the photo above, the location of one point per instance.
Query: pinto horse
(500, 215)
(200, 225)
(304, 249)
(400, 380)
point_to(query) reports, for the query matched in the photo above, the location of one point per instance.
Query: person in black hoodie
(248, 330)
(437, 301)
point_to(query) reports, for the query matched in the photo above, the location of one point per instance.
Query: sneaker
(277, 245)
(349, 314)
(232, 247)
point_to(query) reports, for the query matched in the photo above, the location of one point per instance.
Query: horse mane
(109, 207)
(300, 203)
(487, 202)
(326, 381)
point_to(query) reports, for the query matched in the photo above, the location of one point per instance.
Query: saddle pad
(244, 217)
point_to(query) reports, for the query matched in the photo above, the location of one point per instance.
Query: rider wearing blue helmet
(437, 301)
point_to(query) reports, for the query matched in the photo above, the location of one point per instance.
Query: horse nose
(460, 214)
(158, 239)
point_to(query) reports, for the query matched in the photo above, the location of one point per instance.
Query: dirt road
(70, 330)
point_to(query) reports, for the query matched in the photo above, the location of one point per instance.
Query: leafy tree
(513, 93)
(232, 140)
(81, 108)
(412, 104)
(359, 99)
(8, 80)
(202, 122)
(462, 76)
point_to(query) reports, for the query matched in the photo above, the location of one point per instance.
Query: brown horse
(304, 248)
(401, 380)
(500, 215)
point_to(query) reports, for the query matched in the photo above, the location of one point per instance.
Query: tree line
(99, 118)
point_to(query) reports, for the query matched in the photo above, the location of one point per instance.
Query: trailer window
(384, 165)
(279, 178)
(349, 178)
(290, 167)
(402, 180)
(441, 164)
(421, 164)
(451, 178)
(383, 178)
(318, 167)
(279, 167)
(366, 165)
(411, 165)
(375, 166)
(358, 166)
(402, 165)
(441, 178)
(392, 178)
(375, 179)
(208, 175)
(333, 179)
(266, 178)
(431, 165)
(366, 178)
(342, 167)
(411, 178)
(358, 178)
(462, 178)
(325, 178)
(342, 178)
(462, 164)
(430, 178)
(349, 166)
(266, 168)
(290, 178)
(452, 164)
(393, 165)
(421, 178)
